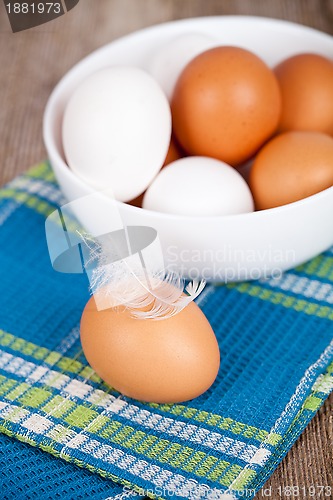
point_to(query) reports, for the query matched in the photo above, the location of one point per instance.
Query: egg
(116, 131)
(290, 167)
(199, 186)
(168, 61)
(166, 361)
(174, 153)
(306, 82)
(226, 104)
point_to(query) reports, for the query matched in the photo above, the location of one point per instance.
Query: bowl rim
(57, 91)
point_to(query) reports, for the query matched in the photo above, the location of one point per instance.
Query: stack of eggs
(206, 130)
(233, 134)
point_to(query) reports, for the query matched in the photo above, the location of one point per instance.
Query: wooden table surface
(33, 61)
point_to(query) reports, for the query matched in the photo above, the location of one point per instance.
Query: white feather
(128, 282)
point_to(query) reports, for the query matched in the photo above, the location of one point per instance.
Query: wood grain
(33, 61)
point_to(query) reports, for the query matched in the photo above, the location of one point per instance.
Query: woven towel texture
(28, 473)
(276, 347)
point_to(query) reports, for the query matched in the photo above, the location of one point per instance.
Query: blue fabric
(276, 345)
(28, 473)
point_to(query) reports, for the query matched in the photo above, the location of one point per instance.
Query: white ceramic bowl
(224, 248)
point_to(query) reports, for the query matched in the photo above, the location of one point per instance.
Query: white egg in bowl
(220, 248)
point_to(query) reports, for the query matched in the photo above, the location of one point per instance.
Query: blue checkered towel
(276, 347)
